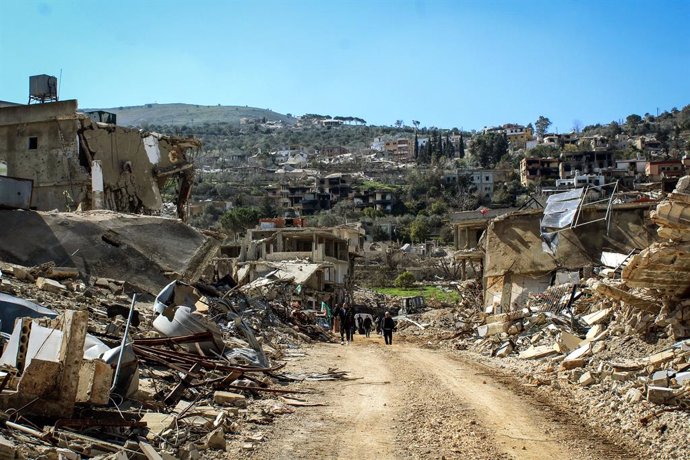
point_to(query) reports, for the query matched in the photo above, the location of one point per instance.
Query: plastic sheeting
(561, 208)
(12, 308)
(559, 213)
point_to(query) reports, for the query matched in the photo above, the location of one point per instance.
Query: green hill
(190, 114)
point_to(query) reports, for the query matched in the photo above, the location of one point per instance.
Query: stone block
(46, 284)
(633, 395)
(566, 365)
(215, 439)
(659, 395)
(227, 398)
(541, 351)
(95, 380)
(586, 379)
(157, 423)
(569, 341)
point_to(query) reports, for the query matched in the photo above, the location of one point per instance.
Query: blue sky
(449, 64)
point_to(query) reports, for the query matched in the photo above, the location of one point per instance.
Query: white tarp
(561, 208)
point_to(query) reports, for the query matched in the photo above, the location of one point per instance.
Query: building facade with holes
(75, 161)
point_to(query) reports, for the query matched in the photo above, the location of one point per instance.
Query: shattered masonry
(75, 161)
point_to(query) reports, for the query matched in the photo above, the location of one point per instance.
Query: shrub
(405, 280)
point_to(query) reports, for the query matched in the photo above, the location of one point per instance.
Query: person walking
(342, 323)
(347, 320)
(388, 325)
(367, 325)
(352, 323)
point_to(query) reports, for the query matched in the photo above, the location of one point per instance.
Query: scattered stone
(46, 284)
(227, 398)
(215, 439)
(586, 379)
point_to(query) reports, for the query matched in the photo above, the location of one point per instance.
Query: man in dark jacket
(367, 325)
(347, 323)
(388, 325)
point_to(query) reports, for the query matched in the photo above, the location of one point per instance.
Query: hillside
(189, 114)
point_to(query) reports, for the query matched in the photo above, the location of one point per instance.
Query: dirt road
(409, 402)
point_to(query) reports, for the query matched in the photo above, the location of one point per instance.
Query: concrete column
(97, 189)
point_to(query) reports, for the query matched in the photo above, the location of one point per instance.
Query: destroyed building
(317, 260)
(516, 264)
(77, 162)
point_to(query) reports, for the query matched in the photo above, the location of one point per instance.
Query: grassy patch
(428, 292)
(3, 169)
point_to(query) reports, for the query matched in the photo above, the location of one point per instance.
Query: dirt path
(409, 402)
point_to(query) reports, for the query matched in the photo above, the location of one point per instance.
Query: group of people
(349, 322)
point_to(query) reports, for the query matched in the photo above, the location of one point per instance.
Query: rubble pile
(451, 327)
(581, 335)
(102, 374)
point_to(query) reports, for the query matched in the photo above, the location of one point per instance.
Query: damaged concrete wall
(55, 146)
(144, 251)
(516, 263)
(40, 143)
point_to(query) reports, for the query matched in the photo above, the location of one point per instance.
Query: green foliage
(439, 207)
(405, 280)
(238, 220)
(489, 148)
(542, 124)
(544, 151)
(372, 213)
(420, 230)
(375, 185)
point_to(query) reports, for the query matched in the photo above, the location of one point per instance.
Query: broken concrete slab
(581, 352)
(633, 395)
(661, 357)
(492, 328)
(49, 285)
(142, 250)
(541, 351)
(215, 439)
(568, 341)
(157, 423)
(597, 317)
(659, 395)
(505, 350)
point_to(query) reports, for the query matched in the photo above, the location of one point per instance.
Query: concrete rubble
(615, 339)
(124, 337)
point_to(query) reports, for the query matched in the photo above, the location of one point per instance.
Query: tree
(489, 148)
(238, 220)
(461, 147)
(419, 230)
(542, 125)
(415, 123)
(631, 122)
(399, 124)
(416, 146)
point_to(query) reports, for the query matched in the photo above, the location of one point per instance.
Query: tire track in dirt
(409, 402)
